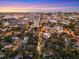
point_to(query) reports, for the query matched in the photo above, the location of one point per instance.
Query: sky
(38, 5)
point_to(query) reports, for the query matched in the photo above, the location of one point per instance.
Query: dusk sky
(38, 5)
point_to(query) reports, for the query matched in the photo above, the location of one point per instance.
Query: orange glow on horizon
(30, 9)
(14, 9)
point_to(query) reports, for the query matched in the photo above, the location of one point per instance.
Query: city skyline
(38, 5)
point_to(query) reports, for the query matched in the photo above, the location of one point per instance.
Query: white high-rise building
(36, 20)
